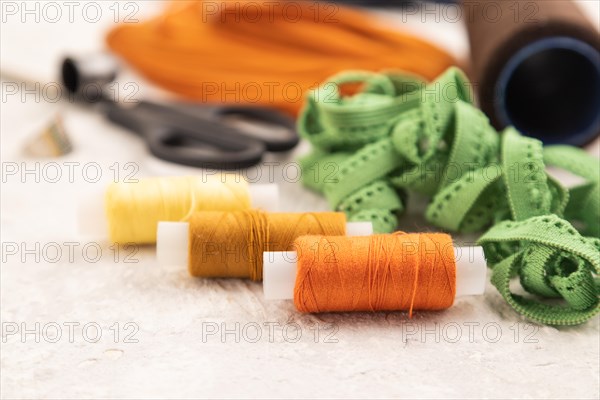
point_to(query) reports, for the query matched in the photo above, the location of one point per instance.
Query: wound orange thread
(271, 59)
(231, 244)
(401, 271)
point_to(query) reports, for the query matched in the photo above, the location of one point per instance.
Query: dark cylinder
(536, 66)
(86, 77)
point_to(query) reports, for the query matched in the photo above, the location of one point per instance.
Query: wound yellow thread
(231, 244)
(133, 210)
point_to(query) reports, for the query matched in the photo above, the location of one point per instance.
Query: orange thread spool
(231, 244)
(382, 272)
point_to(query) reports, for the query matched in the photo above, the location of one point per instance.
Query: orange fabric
(380, 272)
(264, 52)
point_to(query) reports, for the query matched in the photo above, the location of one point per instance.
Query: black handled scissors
(223, 137)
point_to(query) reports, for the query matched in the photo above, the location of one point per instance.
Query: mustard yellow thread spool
(230, 244)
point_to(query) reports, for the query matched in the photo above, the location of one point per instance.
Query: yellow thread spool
(231, 244)
(134, 209)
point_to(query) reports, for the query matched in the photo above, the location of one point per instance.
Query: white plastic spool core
(264, 196)
(279, 273)
(91, 212)
(172, 240)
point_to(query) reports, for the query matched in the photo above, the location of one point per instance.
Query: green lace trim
(398, 135)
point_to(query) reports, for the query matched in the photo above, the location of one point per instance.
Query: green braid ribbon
(397, 135)
(551, 260)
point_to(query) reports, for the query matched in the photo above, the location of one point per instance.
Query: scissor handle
(188, 140)
(281, 140)
(221, 151)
